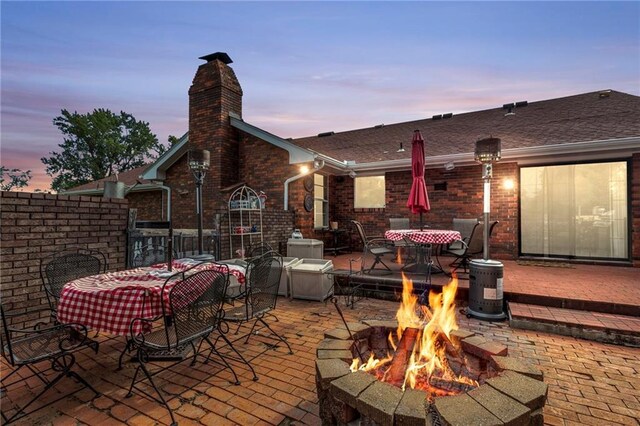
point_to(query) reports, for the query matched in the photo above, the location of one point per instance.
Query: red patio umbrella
(418, 201)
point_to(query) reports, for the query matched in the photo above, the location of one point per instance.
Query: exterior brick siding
(34, 225)
(635, 209)
(150, 205)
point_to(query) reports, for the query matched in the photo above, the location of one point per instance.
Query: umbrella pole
(421, 225)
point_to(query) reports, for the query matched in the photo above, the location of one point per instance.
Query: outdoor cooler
(285, 278)
(310, 280)
(305, 248)
(486, 290)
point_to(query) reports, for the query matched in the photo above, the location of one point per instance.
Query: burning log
(396, 372)
(450, 385)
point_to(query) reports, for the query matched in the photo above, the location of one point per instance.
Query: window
(320, 201)
(369, 192)
(577, 210)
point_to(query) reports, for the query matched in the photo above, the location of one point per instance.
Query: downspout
(166, 188)
(317, 165)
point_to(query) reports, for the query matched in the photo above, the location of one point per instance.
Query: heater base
(485, 316)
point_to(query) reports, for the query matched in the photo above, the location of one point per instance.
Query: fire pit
(423, 370)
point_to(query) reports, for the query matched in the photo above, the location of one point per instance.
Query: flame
(399, 255)
(434, 330)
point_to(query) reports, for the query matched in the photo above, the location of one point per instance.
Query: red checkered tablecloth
(427, 236)
(109, 302)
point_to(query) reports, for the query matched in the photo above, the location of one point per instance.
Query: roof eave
(578, 151)
(156, 171)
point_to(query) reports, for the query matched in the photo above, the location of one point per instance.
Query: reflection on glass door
(575, 210)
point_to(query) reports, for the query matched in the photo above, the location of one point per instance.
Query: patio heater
(486, 275)
(199, 164)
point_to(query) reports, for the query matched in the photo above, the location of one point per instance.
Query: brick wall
(34, 225)
(149, 204)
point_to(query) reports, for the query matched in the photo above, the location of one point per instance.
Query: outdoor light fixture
(199, 164)
(485, 275)
(304, 169)
(352, 174)
(508, 184)
(449, 166)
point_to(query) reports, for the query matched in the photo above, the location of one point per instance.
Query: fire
(432, 328)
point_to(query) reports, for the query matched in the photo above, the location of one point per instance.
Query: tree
(97, 145)
(15, 178)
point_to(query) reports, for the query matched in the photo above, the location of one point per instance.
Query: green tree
(13, 178)
(97, 145)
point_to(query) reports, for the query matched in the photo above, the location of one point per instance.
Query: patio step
(598, 326)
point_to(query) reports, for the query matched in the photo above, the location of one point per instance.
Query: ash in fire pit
(422, 369)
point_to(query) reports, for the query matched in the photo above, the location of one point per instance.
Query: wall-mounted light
(352, 174)
(449, 166)
(304, 169)
(508, 184)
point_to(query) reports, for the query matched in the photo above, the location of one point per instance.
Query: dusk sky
(305, 67)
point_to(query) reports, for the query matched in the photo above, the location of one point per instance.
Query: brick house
(567, 186)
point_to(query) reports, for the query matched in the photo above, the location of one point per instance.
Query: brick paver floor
(589, 383)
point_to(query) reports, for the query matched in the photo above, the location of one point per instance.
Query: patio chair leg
(224, 361)
(275, 334)
(126, 349)
(255, 377)
(162, 400)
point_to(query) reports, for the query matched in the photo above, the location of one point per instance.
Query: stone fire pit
(511, 391)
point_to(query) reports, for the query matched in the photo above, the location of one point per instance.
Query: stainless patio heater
(486, 275)
(199, 164)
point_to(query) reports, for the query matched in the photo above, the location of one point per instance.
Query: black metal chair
(471, 248)
(31, 348)
(151, 254)
(192, 310)
(263, 279)
(258, 249)
(66, 265)
(377, 247)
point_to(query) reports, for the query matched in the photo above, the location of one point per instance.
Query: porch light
(304, 169)
(508, 184)
(199, 164)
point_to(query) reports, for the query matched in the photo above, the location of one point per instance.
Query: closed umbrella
(418, 198)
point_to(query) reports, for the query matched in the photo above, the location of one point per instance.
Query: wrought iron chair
(465, 227)
(60, 267)
(263, 279)
(471, 248)
(258, 249)
(405, 245)
(192, 310)
(29, 348)
(377, 247)
(151, 254)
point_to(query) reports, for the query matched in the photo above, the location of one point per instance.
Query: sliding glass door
(575, 211)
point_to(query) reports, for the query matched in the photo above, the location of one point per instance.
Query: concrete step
(598, 326)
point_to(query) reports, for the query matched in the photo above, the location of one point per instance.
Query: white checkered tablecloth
(427, 236)
(109, 302)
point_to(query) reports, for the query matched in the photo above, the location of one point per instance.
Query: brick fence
(34, 225)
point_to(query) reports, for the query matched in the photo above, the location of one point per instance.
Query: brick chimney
(214, 92)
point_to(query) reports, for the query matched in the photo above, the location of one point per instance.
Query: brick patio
(589, 383)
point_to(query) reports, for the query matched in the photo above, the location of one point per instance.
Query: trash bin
(305, 248)
(486, 290)
(285, 278)
(310, 280)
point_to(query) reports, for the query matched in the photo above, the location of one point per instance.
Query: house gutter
(159, 184)
(316, 167)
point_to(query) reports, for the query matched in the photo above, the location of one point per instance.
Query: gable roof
(583, 120)
(129, 178)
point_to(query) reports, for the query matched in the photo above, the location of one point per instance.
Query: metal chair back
(259, 249)
(360, 230)
(61, 267)
(263, 281)
(399, 223)
(476, 240)
(195, 305)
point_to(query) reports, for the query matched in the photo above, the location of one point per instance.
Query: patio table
(424, 239)
(109, 302)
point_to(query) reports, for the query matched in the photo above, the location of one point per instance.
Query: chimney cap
(221, 56)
